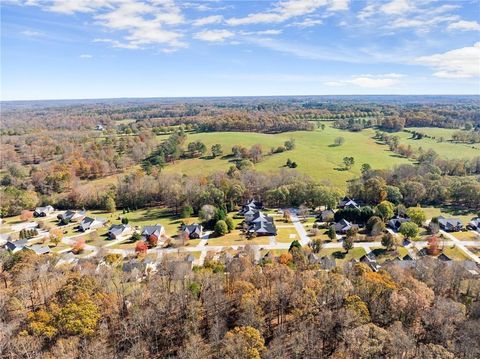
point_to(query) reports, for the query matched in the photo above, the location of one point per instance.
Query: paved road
(304, 239)
(273, 244)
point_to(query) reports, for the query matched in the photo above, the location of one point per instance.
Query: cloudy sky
(154, 48)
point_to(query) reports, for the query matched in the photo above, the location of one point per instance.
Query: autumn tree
(243, 342)
(141, 248)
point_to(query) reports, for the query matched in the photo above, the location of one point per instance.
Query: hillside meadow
(315, 152)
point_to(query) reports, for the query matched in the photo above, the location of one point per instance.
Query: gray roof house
(43, 211)
(91, 223)
(450, 224)
(396, 222)
(343, 226)
(348, 203)
(261, 217)
(157, 230)
(326, 215)
(15, 246)
(118, 230)
(71, 216)
(194, 231)
(263, 228)
(38, 249)
(474, 224)
(371, 260)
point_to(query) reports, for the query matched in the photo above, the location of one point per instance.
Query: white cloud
(214, 35)
(213, 19)
(288, 9)
(396, 7)
(419, 15)
(338, 5)
(31, 33)
(308, 22)
(142, 22)
(86, 56)
(369, 81)
(72, 6)
(261, 32)
(464, 26)
(458, 63)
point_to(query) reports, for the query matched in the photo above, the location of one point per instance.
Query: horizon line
(225, 96)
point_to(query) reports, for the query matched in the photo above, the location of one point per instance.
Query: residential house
(326, 216)
(194, 231)
(67, 259)
(15, 246)
(348, 203)
(262, 225)
(250, 209)
(71, 216)
(407, 257)
(99, 127)
(474, 224)
(4, 238)
(396, 222)
(119, 230)
(444, 257)
(371, 260)
(261, 217)
(91, 223)
(43, 211)
(450, 224)
(343, 226)
(153, 231)
(264, 228)
(38, 249)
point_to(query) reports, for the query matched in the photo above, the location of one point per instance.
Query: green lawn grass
(447, 212)
(466, 236)
(233, 239)
(283, 235)
(446, 148)
(340, 255)
(455, 253)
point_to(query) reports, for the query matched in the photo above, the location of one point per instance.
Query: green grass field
(446, 148)
(314, 153)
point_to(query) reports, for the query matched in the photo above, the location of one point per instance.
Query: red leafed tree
(141, 247)
(433, 246)
(152, 241)
(79, 246)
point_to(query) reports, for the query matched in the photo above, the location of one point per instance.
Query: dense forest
(233, 308)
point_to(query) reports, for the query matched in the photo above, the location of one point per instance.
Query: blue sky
(158, 48)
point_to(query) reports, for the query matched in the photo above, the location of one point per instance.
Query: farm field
(444, 149)
(314, 153)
